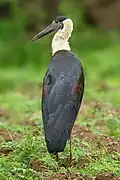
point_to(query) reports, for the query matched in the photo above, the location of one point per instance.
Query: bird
(62, 89)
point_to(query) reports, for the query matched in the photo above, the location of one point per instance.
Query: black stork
(63, 87)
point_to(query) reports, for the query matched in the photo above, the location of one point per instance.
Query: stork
(63, 87)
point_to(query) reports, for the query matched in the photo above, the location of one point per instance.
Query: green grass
(20, 97)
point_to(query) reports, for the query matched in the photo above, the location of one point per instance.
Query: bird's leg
(57, 158)
(70, 150)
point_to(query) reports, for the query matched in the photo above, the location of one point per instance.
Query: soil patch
(106, 176)
(111, 144)
(82, 132)
(37, 165)
(82, 162)
(72, 176)
(5, 151)
(7, 135)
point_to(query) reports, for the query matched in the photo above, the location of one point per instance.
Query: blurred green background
(96, 39)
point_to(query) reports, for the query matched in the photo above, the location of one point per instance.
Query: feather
(61, 100)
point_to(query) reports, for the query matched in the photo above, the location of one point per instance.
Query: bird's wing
(61, 100)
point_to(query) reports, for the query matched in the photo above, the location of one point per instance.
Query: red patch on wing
(43, 89)
(76, 88)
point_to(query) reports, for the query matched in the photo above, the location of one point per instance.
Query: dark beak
(49, 29)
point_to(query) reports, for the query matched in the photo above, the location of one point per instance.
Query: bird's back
(63, 89)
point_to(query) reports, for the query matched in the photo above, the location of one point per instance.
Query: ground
(23, 153)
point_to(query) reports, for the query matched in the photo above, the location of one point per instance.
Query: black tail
(56, 146)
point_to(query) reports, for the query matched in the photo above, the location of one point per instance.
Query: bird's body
(63, 87)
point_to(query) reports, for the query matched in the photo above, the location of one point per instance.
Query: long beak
(49, 29)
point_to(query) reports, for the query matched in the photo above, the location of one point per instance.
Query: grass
(24, 155)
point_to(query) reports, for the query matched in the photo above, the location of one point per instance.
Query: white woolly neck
(60, 39)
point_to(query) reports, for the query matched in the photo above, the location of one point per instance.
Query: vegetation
(96, 143)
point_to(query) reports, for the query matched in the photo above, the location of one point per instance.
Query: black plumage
(60, 18)
(63, 88)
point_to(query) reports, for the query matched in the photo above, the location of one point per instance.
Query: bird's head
(62, 25)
